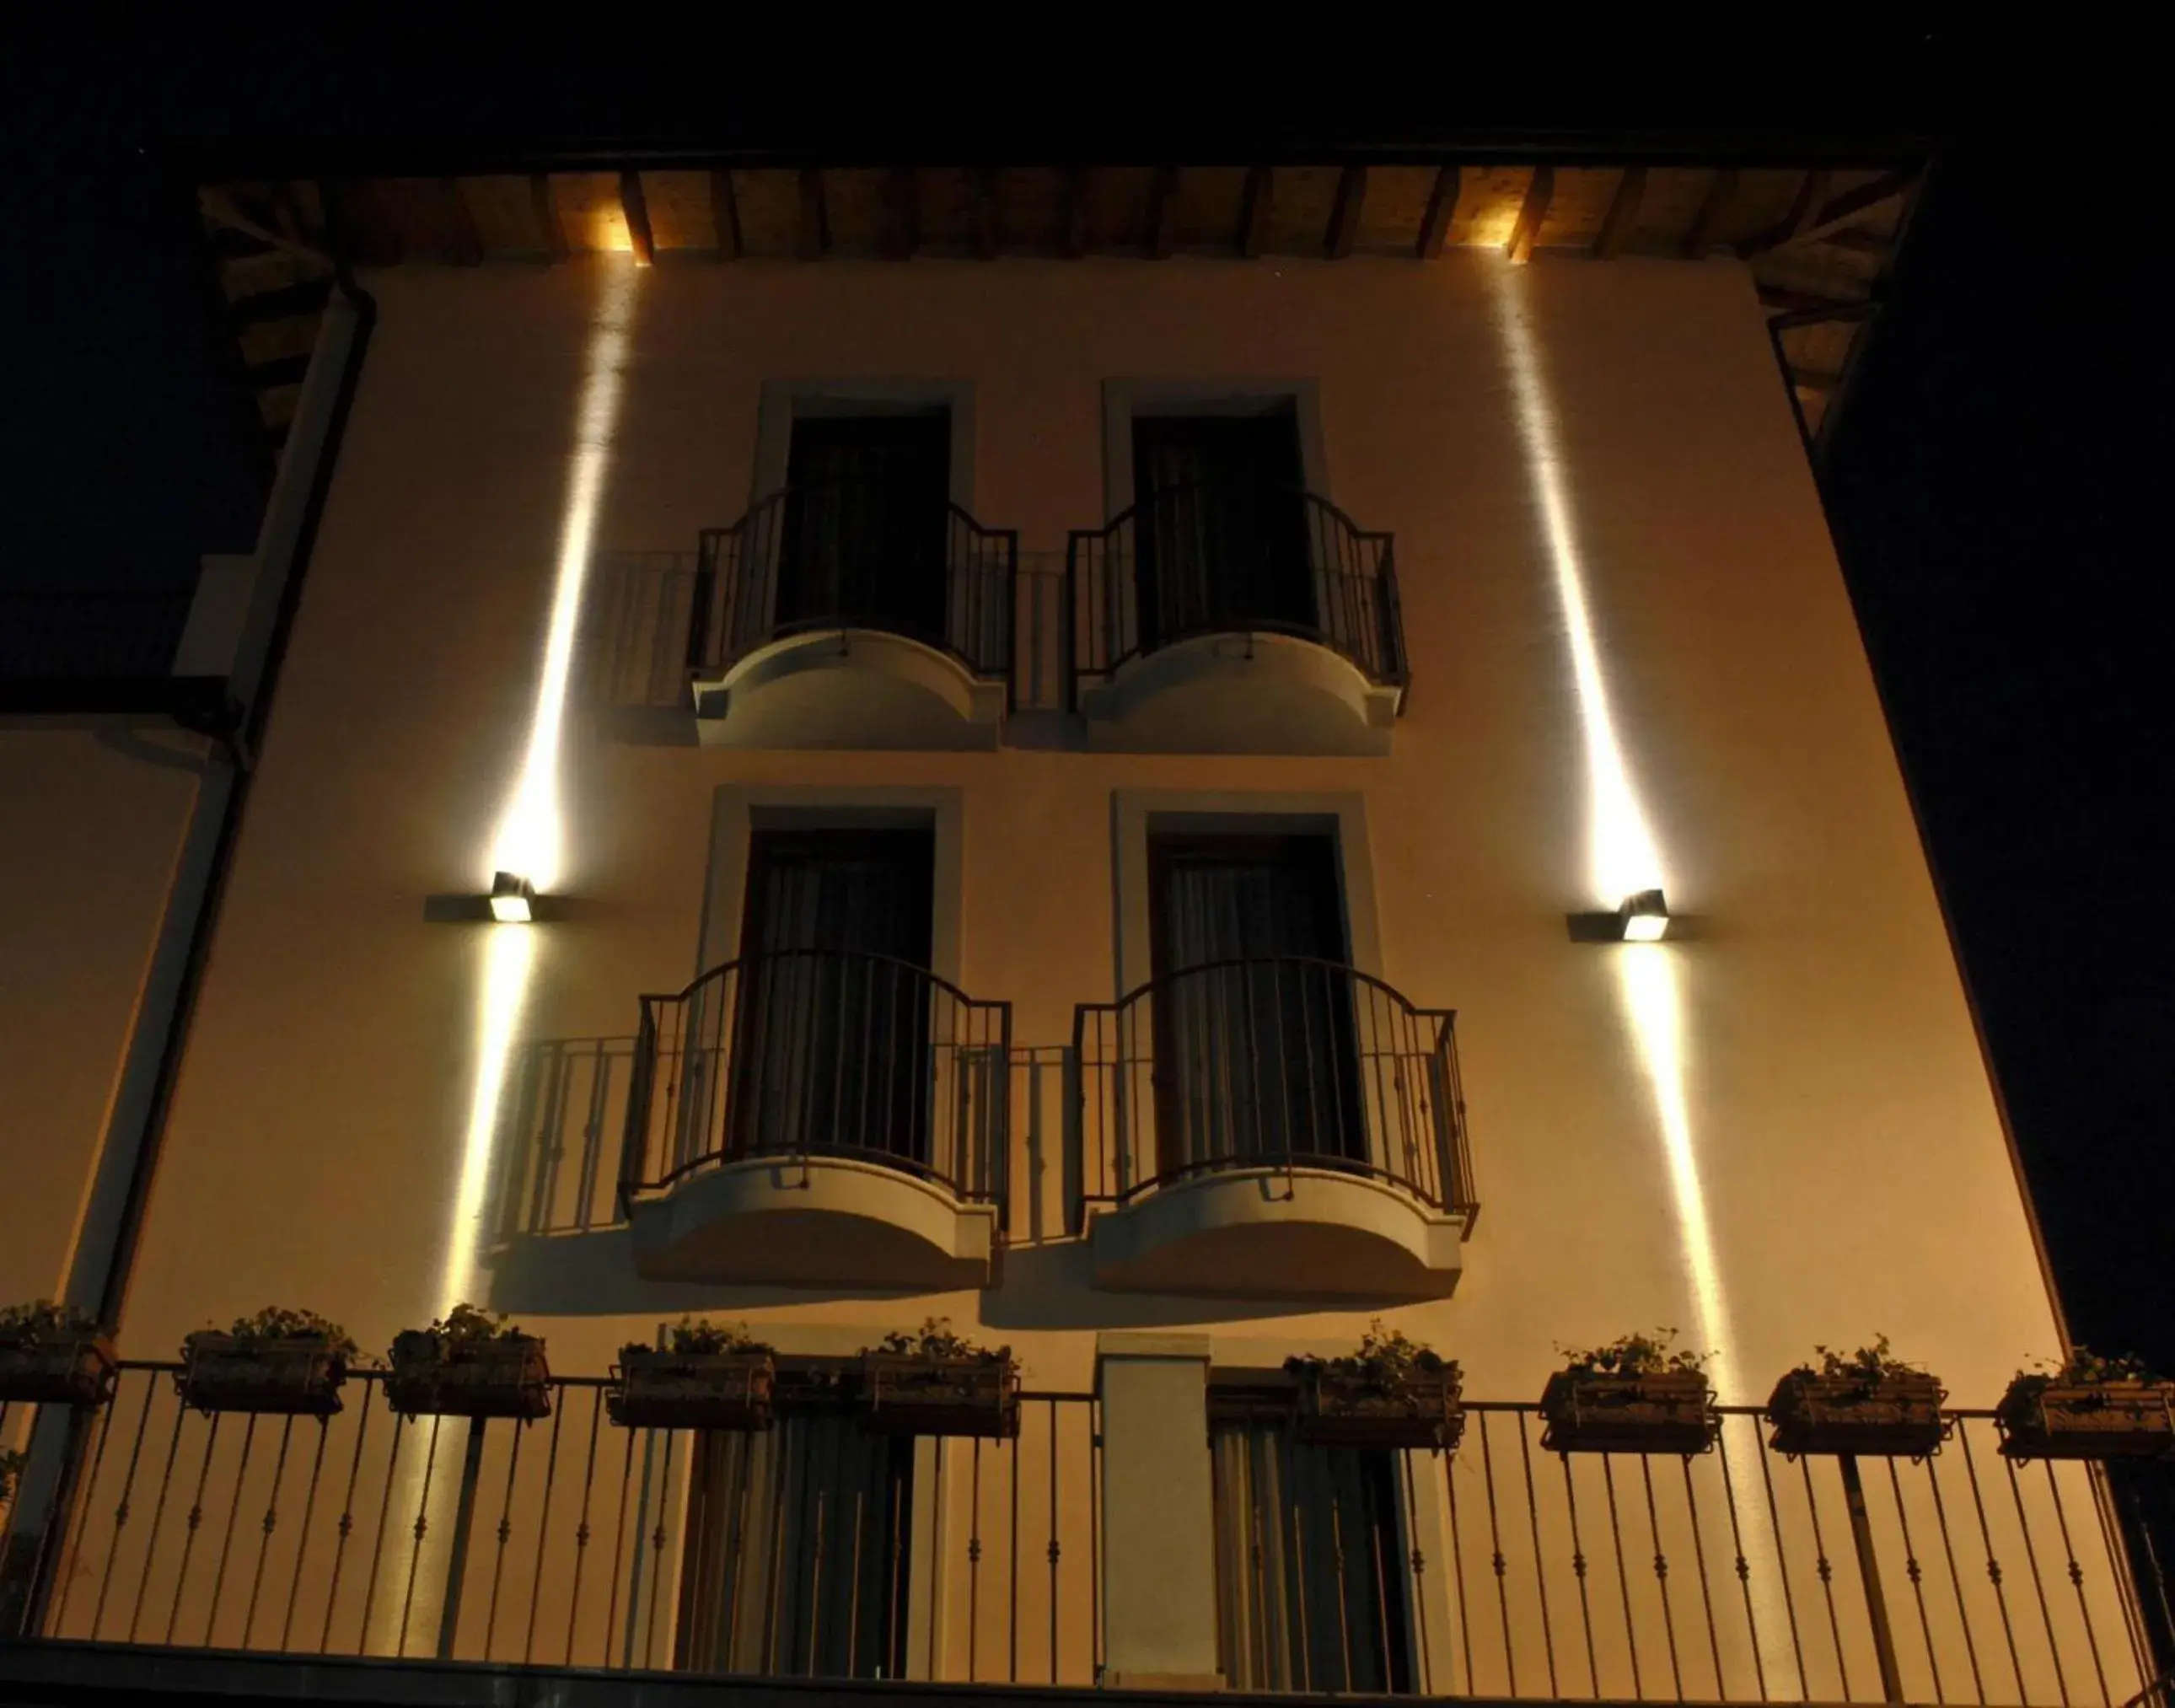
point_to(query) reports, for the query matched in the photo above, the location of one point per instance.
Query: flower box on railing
(2044, 1417)
(657, 1390)
(297, 1375)
(433, 1376)
(1896, 1414)
(1603, 1412)
(910, 1394)
(68, 1368)
(1340, 1409)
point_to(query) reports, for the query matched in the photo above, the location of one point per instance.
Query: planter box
(2042, 1419)
(299, 1377)
(692, 1390)
(1337, 1409)
(68, 1370)
(1895, 1416)
(1673, 1412)
(903, 1394)
(495, 1378)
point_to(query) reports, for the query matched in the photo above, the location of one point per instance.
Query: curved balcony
(1276, 1128)
(1236, 619)
(818, 1118)
(853, 616)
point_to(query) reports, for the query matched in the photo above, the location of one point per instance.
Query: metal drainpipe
(229, 770)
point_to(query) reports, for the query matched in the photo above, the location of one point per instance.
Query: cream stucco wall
(1856, 1176)
(96, 818)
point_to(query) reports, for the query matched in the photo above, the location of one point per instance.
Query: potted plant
(1865, 1401)
(1632, 1396)
(709, 1376)
(934, 1382)
(53, 1354)
(2088, 1408)
(468, 1364)
(1393, 1392)
(291, 1363)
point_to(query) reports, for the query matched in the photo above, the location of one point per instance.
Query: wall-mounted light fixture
(1641, 918)
(512, 899)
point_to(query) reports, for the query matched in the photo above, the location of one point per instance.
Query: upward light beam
(1623, 856)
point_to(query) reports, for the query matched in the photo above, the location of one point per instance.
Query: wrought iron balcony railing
(821, 1053)
(811, 560)
(1196, 560)
(1279, 1062)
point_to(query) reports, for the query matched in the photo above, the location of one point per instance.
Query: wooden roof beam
(1534, 209)
(1255, 211)
(1441, 210)
(902, 215)
(815, 236)
(1344, 212)
(636, 209)
(463, 243)
(1812, 190)
(1072, 192)
(1160, 187)
(725, 213)
(1842, 212)
(1712, 209)
(1622, 218)
(551, 234)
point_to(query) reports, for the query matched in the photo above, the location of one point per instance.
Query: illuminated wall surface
(1634, 666)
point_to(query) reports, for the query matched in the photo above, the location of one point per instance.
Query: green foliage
(27, 1325)
(11, 1467)
(2084, 1368)
(1873, 1363)
(1635, 1355)
(694, 1336)
(276, 1323)
(464, 1326)
(1386, 1362)
(935, 1339)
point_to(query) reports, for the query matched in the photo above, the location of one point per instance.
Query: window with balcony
(1228, 606)
(823, 1108)
(1312, 1564)
(857, 603)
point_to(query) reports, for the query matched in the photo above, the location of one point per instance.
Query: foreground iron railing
(808, 560)
(1279, 1062)
(573, 1541)
(1194, 561)
(1739, 1574)
(809, 1053)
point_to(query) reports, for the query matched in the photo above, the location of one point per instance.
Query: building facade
(1108, 799)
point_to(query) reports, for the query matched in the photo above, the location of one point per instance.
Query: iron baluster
(2038, 1584)
(195, 1523)
(422, 1528)
(1662, 1572)
(1868, 1575)
(1911, 1569)
(1955, 1579)
(346, 1527)
(1496, 1556)
(2077, 1580)
(121, 1508)
(543, 1529)
(505, 1532)
(1578, 1565)
(1699, 1559)
(1826, 1571)
(1993, 1564)
(270, 1523)
(1743, 1567)
(581, 1530)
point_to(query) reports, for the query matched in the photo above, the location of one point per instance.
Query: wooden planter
(692, 1390)
(56, 1369)
(1591, 1413)
(2044, 1420)
(905, 1394)
(1337, 1409)
(298, 1376)
(1894, 1417)
(505, 1378)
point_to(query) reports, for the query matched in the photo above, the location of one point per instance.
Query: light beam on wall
(1624, 858)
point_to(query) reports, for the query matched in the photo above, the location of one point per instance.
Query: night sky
(1989, 488)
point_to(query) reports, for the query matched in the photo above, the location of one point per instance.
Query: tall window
(866, 525)
(833, 1046)
(1220, 524)
(1310, 1564)
(1253, 1032)
(797, 1561)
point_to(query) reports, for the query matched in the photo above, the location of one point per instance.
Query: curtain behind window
(1255, 1060)
(1220, 529)
(833, 1046)
(796, 1551)
(866, 521)
(1310, 1564)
